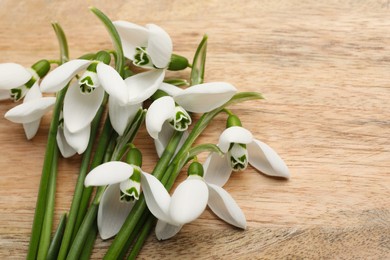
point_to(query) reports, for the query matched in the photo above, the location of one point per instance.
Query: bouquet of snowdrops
(130, 83)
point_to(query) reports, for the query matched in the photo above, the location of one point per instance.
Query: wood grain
(324, 70)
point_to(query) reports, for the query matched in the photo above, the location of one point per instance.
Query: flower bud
(195, 169)
(178, 62)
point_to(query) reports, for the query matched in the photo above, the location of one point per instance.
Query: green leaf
(199, 62)
(119, 58)
(57, 238)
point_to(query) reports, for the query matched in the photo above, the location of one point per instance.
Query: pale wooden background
(324, 69)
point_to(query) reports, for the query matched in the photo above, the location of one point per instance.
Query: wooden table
(324, 69)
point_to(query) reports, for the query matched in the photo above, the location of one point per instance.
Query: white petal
(205, 97)
(112, 212)
(159, 111)
(30, 111)
(165, 230)
(4, 94)
(164, 137)
(156, 196)
(79, 140)
(224, 206)
(112, 82)
(65, 149)
(234, 134)
(143, 85)
(59, 77)
(108, 173)
(80, 109)
(216, 169)
(170, 89)
(31, 129)
(13, 75)
(132, 36)
(159, 46)
(266, 160)
(121, 116)
(189, 200)
(33, 93)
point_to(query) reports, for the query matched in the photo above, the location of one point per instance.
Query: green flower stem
(49, 212)
(77, 196)
(89, 243)
(134, 234)
(151, 220)
(91, 214)
(51, 153)
(43, 186)
(57, 238)
(137, 212)
(198, 64)
(102, 149)
(119, 57)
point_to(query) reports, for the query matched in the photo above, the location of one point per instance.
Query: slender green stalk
(142, 237)
(101, 150)
(137, 212)
(80, 185)
(49, 212)
(90, 217)
(90, 241)
(119, 57)
(57, 238)
(50, 147)
(198, 64)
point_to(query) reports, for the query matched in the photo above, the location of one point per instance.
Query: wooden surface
(324, 69)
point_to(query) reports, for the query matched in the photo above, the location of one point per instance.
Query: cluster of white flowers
(90, 82)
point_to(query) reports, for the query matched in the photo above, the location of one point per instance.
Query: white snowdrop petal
(60, 76)
(156, 196)
(108, 173)
(170, 89)
(159, 46)
(33, 93)
(65, 149)
(225, 207)
(189, 200)
(121, 116)
(80, 109)
(234, 134)
(165, 230)
(266, 160)
(143, 85)
(79, 140)
(112, 212)
(205, 97)
(216, 169)
(13, 75)
(159, 111)
(31, 129)
(132, 36)
(30, 111)
(112, 82)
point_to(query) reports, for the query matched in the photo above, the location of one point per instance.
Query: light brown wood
(324, 69)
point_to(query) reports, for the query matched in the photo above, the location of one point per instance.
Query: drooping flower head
(241, 148)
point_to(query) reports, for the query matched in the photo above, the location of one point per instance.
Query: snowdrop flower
(31, 111)
(241, 148)
(188, 202)
(148, 47)
(124, 187)
(173, 111)
(16, 80)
